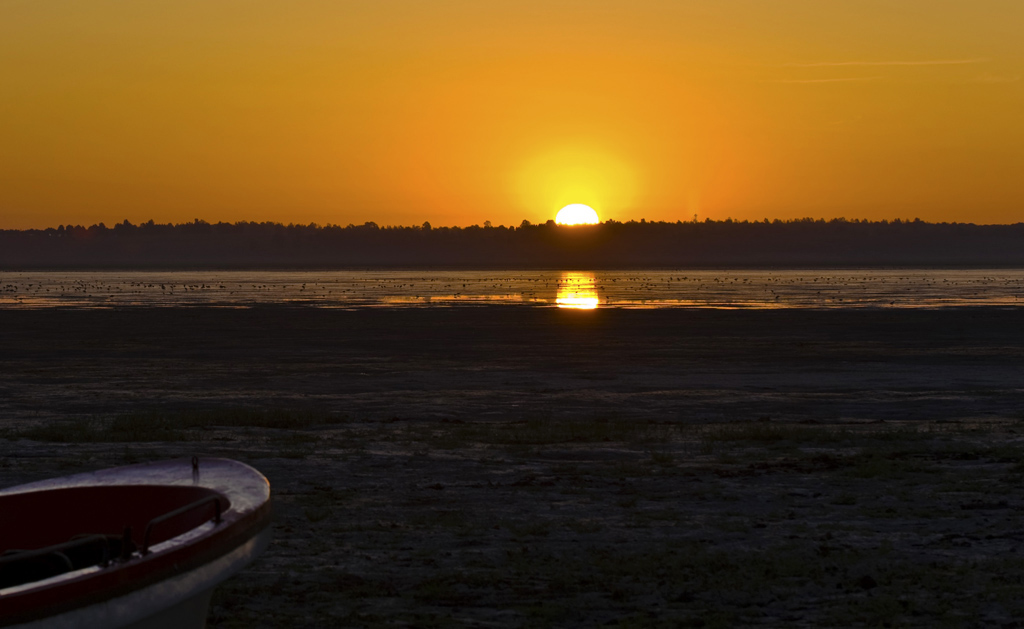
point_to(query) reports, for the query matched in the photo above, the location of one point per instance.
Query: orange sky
(457, 112)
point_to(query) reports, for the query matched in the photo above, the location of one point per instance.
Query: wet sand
(538, 467)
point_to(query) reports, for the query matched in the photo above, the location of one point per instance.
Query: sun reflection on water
(739, 289)
(577, 290)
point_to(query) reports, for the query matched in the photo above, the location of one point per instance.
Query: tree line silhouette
(612, 244)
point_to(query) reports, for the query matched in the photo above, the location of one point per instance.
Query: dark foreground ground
(528, 467)
(517, 363)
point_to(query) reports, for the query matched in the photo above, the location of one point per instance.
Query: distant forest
(612, 244)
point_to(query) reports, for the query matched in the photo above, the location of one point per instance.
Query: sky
(458, 112)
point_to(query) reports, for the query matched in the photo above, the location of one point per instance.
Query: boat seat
(26, 566)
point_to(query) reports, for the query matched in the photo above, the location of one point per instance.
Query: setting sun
(577, 214)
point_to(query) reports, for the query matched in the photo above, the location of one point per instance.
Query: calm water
(569, 289)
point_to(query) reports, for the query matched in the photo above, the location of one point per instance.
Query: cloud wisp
(929, 62)
(854, 79)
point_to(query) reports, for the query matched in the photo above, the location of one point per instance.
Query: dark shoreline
(612, 244)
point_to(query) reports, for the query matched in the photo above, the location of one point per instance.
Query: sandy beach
(515, 467)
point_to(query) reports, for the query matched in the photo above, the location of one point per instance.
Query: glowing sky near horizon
(460, 111)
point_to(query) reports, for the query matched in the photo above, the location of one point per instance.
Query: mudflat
(481, 466)
(517, 362)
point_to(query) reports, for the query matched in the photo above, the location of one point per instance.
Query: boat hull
(167, 584)
(182, 602)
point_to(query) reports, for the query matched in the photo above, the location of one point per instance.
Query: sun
(577, 214)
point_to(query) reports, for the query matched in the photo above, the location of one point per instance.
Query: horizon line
(101, 225)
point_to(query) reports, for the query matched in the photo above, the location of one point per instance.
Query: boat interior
(55, 531)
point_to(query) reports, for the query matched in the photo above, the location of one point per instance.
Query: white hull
(182, 602)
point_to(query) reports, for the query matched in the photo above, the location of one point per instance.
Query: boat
(134, 547)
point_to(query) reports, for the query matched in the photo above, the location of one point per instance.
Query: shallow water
(868, 288)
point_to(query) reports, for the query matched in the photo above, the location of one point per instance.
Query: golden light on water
(578, 291)
(577, 214)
